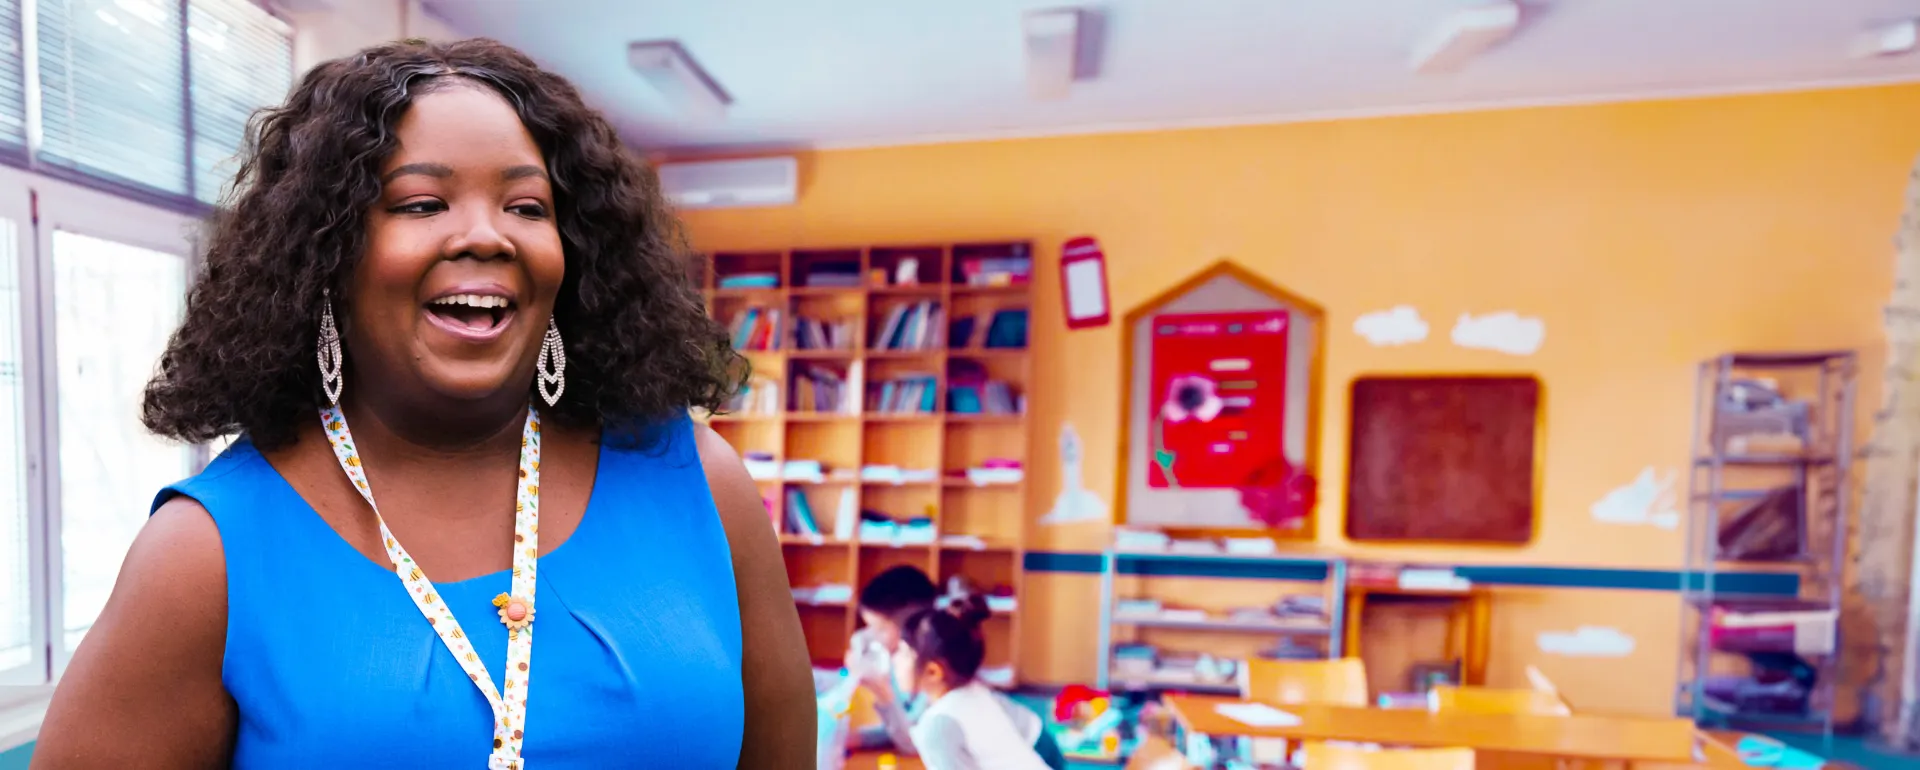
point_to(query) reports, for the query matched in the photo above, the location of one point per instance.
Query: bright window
(16, 590)
(114, 306)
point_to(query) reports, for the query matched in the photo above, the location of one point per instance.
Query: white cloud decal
(1398, 325)
(1645, 500)
(1505, 331)
(1587, 642)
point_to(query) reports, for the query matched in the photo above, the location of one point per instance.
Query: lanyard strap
(509, 707)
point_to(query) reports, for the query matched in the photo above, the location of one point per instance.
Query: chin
(474, 384)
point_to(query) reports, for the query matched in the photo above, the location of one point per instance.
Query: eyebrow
(435, 170)
(523, 172)
(443, 171)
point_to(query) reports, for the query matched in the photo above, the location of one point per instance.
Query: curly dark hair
(639, 343)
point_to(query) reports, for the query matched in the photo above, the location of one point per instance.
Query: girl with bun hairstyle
(966, 724)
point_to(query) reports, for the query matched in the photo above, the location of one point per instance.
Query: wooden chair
(1541, 683)
(1323, 756)
(1495, 701)
(1341, 682)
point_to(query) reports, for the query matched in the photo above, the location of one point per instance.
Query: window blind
(13, 93)
(111, 98)
(242, 60)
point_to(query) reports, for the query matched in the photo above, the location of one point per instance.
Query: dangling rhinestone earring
(329, 351)
(552, 365)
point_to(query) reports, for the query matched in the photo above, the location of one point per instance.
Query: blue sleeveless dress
(636, 657)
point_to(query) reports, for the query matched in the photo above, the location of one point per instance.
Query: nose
(479, 236)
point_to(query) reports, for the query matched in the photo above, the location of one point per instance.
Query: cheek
(545, 259)
(395, 260)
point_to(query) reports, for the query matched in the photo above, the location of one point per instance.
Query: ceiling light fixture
(1891, 39)
(1466, 34)
(678, 78)
(1053, 50)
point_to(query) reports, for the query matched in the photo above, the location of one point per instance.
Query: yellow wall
(1647, 236)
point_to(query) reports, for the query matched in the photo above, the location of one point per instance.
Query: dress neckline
(312, 515)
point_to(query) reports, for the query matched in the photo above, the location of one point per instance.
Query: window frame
(41, 199)
(27, 157)
(82, 211)
(16, 204)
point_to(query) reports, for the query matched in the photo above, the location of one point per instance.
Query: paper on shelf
(1257, 715)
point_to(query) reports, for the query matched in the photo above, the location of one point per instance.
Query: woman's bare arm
(144, 689)
(774, 668)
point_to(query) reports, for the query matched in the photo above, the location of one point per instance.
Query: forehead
(463, 124)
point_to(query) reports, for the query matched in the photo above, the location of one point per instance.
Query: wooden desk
(1468, 626)
(1560, 737)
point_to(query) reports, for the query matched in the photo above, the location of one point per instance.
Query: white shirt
(974, 727)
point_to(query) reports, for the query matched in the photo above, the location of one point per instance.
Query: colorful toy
(1089, 721)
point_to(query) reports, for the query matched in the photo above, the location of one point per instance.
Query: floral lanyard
(516, 608)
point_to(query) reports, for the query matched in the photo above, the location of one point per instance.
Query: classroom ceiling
(835, 73)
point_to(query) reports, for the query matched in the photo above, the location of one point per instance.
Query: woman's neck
(399, 434)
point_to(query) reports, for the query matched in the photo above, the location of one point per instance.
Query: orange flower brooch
(516, 613)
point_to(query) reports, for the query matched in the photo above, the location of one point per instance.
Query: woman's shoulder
(239, 465)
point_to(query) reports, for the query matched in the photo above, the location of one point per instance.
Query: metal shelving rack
(1818, 393)
(1332, 575)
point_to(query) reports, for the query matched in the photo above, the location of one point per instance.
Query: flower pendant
(515, 612)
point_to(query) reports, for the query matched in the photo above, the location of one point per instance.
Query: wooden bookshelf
(906, 399)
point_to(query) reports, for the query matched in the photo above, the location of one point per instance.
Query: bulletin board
(1267, 485)
(1220, 398)
(1443, 459)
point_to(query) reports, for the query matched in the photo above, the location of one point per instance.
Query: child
(965, 725)
(885, 604)
(892, 597)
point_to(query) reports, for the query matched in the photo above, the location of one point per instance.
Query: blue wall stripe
(1767, 584)
(1217, 567)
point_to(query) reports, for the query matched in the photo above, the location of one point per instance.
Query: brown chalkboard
(1443, 459)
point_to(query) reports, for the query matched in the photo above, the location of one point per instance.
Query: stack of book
(910, 326)
(1011, 269)
(761, 466)
(822, 389)
(799, 514)
(908, 394)
(876, 527)
(750, 281)
(756, 328)
(819, 334)
(759, 397)
(893, 474)
(969, 391)
(831, 275)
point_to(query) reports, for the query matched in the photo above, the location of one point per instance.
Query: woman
(965, 725)
(443, 285)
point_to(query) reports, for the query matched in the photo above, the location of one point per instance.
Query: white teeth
(472, 300)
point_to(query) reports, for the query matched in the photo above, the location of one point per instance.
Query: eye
(420, 206)
(529, 210)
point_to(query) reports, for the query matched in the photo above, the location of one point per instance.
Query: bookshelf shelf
(907, 359)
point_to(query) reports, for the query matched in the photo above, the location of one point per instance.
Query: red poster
(1219, 400)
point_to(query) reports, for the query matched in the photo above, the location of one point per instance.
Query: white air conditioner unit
(731, 183)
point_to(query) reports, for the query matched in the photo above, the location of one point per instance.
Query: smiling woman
(445, 311)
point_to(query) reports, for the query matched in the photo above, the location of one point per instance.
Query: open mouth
(478, 315)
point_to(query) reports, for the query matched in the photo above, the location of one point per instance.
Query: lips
(477, 316)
